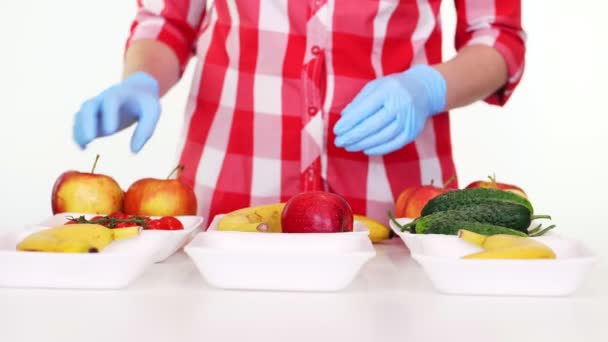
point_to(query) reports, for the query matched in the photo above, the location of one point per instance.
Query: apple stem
(95, 164)
(493, 178)
(535, 217)
(178, 167)
(450, 180)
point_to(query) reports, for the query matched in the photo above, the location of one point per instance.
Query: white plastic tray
(440, 258)
(116, 266)
(280, 261)
(173, 240)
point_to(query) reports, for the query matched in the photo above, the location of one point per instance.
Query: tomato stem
(110, 221)
(95, 164)
(178, 167)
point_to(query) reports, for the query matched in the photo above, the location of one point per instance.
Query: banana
(267, 218)
(377, 231)
(504, 246)
(525, 250)
(47, 243)
(261, 218)
(488, 242)
(75, 238)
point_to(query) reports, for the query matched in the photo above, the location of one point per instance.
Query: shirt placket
(314, 82)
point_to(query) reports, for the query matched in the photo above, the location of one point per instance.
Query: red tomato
(171, 223)
(147, 221)
(155, 224)
(97, 218)
(119, 215)
(124, 224)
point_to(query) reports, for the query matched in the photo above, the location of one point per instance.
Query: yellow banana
(504, 246)
(377, 231)
(267, 218)
(260, 218)
(48, 243)
(522, 250)
(488, 241)
(75, 238)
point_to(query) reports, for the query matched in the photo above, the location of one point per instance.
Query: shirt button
(315, 50)
(312, 110)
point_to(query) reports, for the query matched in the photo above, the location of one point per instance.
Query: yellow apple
(86, 192)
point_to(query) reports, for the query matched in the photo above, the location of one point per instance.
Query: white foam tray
(114, 267)
(280, 261)
(173, 240)
(440, 256)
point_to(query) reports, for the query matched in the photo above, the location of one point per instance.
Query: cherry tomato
(146, 220)
(124, 224)
(118, 215)
(171, 223)
(94, 219)
(155, 224)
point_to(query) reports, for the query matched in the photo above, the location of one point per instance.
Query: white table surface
(391, 300)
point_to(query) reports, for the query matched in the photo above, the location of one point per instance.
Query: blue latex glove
(391, 111)
(136, 99)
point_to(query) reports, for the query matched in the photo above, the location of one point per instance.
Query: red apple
(86, 192)
(160, 197)
(316, 212)
(493, 184)
(411, 200)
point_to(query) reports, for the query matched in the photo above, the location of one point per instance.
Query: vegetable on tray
(480, 210)
(122, 220)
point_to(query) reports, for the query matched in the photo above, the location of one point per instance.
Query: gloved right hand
(135, 99)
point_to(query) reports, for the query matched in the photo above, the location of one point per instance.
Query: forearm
(474, 73)
(154, 58)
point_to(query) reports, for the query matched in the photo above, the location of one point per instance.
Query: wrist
(144, 81)
(433, 84)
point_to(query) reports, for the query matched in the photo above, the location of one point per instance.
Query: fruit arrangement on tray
(307, 212)
(482, 210)
(484, 207)
(497, 217)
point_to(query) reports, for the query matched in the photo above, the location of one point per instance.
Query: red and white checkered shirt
(272, 77)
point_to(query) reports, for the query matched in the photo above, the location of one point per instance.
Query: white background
(549, 139)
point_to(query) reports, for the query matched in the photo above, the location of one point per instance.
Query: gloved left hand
(390, 112)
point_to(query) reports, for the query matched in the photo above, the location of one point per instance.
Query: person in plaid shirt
(347, 96)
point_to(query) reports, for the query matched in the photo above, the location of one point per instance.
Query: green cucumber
(504, 214)
(445, 226)
(449, 227)
(455, 199)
